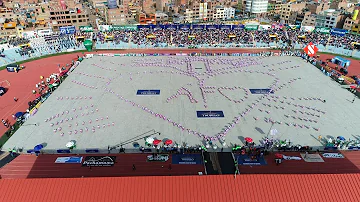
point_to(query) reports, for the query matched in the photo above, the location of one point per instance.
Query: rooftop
(254, 188)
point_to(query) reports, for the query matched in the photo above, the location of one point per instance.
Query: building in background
(256, 6)
(329, 19)
(229, 13)
(287, 11)
(63, 18)
(309, 20)
(117, 16)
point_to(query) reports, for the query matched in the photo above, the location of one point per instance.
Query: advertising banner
(322, 30)
(158, 158)
(338, 32)
(237, 27)
(184, 27)
(210, 27)
(261, 91)
(210, 114)
(312, 158)
(187, 159)
(148, 92)
(225, 27)
(63, 151)
(86, 29)
(198, 27)
(333, 155)
(251, 27)
(99, 161)
(171, 27)
(124, 27)
(246, 160)
(71, 159)
(67, 30)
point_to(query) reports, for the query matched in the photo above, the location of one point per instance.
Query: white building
(328, 18)
(256, 6)
(218, 13)
(229, 13)
(188, 15)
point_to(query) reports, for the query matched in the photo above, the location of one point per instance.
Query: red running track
(44, 166)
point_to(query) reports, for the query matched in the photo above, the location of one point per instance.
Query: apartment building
(356, 28)
(329, 18)
(309, 20)
(117, 16)
(274, 7)
(161, 17)
(353, 20)
(316, 8)
(218, 13)
(160, 5)
(63, 18)
(144, 19)
(202, 11)
(148, 6)
(300, 16)
(188, 15)
(256, 6)
(229, 13)
(288, 10)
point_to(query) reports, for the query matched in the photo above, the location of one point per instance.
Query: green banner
(123, 27)
(251, 27)
(86, 29)
(88, 44)
(322, 30)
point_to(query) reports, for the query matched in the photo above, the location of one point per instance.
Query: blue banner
(67, 30)
(148, 92)
(246, 160)
(71, 159)
(210, 114)
(184, 27)
(157, 27)
(63, 151)
(338, 32)
(171, 27)
(261, 91)
(330, 148)
(237, 27)
(92, 150)
(209, 27)
(198, 27)
(223, 27)
(194, 159)
(353, 148)
(143, 27)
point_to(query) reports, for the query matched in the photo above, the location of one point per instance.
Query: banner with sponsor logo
(312, 158)
(261, 91)
(292, 158)
(187, 159)
(148, 92)
(333, 155)
(86, 29)
(71, 159)
(210, 114)
(99, 161)
(338, 32)
(322, 30)
(246, 160)
(158, 157)
(67, 30)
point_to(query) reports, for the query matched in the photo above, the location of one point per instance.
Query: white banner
(333, 155)
(291, 158)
